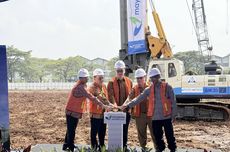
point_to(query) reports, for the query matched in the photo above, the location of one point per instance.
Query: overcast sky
(90, 28)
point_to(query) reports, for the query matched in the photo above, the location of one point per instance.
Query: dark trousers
(125, 129)
(70, 132)
(158, 126)
(97, 128)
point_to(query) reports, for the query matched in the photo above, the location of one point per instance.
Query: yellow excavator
(156, 52)
(158, 46)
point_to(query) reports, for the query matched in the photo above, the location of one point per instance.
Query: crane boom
(203, 39)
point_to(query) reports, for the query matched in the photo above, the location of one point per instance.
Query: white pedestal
(115, 121)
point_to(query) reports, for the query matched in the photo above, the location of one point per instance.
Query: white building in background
(223, 61)
(218, 59)
(104, 64)
(100, 61)
(226, 61)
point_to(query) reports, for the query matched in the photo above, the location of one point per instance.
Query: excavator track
(203, 111)
(220, 103)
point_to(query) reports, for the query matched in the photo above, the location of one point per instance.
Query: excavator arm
(158, 46)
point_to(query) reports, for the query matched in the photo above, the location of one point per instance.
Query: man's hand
(110, 104)
(123, 107)
(108, 108)
(115, 105)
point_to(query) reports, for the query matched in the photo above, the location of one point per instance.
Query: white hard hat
(83, 73)
(119, 65)
(140, 73)
(98, 72)
(154, 71)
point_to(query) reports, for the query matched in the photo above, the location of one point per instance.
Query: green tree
(66, 69)
(110, 65)
(16, 61)
(41, 68)
(193, 61)
(30, 69)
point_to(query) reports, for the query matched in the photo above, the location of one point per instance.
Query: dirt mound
(38, 117)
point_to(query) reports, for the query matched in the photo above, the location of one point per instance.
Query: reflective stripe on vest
(166, 104)
(137, 109)
(95, 108)
(75, 104)
(116, 88)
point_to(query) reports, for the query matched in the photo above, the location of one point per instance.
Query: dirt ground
(37, 117)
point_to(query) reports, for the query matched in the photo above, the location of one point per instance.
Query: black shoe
(71, 148)
(65, 147)
(101, 148)
(157, 150)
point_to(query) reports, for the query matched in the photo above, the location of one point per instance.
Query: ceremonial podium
(115, 121)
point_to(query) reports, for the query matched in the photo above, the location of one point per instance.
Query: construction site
(35, 93)
(42, 122)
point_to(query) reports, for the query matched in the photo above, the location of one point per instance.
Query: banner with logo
(4, 106)
(136, 16)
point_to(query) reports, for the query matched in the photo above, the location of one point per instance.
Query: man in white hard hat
(139, 112)
(76, 106)
(99, 90)
(118, 90)
(161, 108)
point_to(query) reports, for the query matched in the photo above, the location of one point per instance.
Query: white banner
(136, 26)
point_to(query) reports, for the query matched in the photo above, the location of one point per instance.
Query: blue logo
(108, 117)
(138, 24)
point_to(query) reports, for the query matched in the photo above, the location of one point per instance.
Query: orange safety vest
(95, 108)
(75, 104)
(166, 104)
(128, 87)
(136, 112)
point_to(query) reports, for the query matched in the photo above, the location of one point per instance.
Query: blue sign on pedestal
(4, 106)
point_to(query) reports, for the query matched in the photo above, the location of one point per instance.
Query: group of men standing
(152, 105)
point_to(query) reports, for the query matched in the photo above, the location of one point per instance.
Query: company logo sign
(137, 23)
(136, 26)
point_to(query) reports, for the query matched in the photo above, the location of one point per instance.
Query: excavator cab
(171, 70)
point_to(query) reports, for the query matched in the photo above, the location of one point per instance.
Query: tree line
(22, 67)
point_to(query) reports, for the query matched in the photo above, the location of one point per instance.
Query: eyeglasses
(139, 78)
(120, 71)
